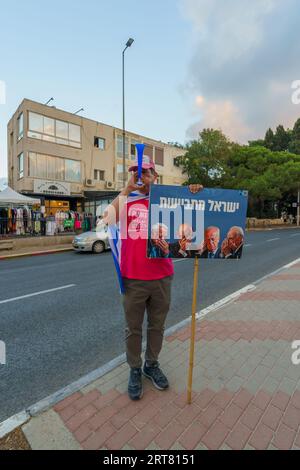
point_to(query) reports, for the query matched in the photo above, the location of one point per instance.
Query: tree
(205, 159)
(176, 144)
(281, 139)
(256, 143)
(267, 175)
(269, 139)
(270, 176)
(294, 146)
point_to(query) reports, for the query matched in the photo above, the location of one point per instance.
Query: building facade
(75, 163)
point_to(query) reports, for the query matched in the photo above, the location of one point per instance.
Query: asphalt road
(53, 338)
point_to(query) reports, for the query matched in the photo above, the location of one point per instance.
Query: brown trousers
(153, 296)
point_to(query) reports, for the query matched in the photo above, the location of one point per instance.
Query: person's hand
(202, 247)
(195, 188)
(132, 184)
(182, 243)
(164, 246)
(225, 249)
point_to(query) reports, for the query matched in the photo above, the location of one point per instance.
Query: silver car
(96, 240)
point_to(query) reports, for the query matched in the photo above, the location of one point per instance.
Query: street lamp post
(128, 44)
(298, 208)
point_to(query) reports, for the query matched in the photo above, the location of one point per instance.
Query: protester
(146, 281)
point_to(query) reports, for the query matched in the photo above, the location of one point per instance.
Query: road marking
(36, 293)
(295, 235)
(272, 239)
(248, 244)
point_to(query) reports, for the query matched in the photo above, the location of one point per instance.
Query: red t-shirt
(134, 238)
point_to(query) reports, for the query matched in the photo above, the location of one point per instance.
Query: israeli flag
(115, 239)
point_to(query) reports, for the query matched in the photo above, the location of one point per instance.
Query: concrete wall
(261, 223)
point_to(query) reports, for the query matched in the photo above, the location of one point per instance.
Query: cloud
(219, 115)
(231, 27)
(245, 57)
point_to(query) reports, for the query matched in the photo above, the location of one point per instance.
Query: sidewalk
(9, 254)
(246, 389)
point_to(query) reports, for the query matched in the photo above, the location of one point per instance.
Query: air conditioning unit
(89, 182)
(110, 185)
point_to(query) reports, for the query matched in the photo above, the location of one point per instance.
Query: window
(48, 138)
(21, 165)
(62, 130)
(89, 207)
(36, 123)
(74, 133)
(101, 206)
(41, 161)
(49, 126)
(20, 126)
(32, 164)
(149, 151)
(120, 146)
(72, 170)
(133, 149)
(120, 173)
(60, 169)
(99, 175)
(53, 130)
(176, 162)
(54, 168)
(159, 156)
(99, 143)
(51, 168)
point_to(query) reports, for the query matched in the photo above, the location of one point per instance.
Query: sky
(194, 63)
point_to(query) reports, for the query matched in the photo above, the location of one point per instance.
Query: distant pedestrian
(284, 217)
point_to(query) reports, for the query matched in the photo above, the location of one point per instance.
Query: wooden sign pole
(193, 332)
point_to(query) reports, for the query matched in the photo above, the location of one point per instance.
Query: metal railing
(11, 227)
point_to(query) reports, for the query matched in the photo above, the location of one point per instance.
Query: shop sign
(54, 188)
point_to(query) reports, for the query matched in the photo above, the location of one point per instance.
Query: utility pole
(298, 208)
(128, 44)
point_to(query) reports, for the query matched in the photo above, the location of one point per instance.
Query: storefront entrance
(51, 207)
(97, 201)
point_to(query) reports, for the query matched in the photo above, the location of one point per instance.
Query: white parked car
(96, 240)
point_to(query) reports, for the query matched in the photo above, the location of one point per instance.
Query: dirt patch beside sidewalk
(15, 440)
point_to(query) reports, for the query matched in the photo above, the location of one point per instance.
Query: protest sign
(208, 224)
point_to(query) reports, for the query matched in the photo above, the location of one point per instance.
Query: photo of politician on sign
(210, 224)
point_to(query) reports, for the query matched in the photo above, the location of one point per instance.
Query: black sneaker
(135, 387)
(154, 373)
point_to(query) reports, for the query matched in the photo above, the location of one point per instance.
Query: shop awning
(9, 196)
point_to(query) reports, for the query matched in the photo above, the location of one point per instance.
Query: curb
(273, 227)
(14, 422)
(43, 405)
